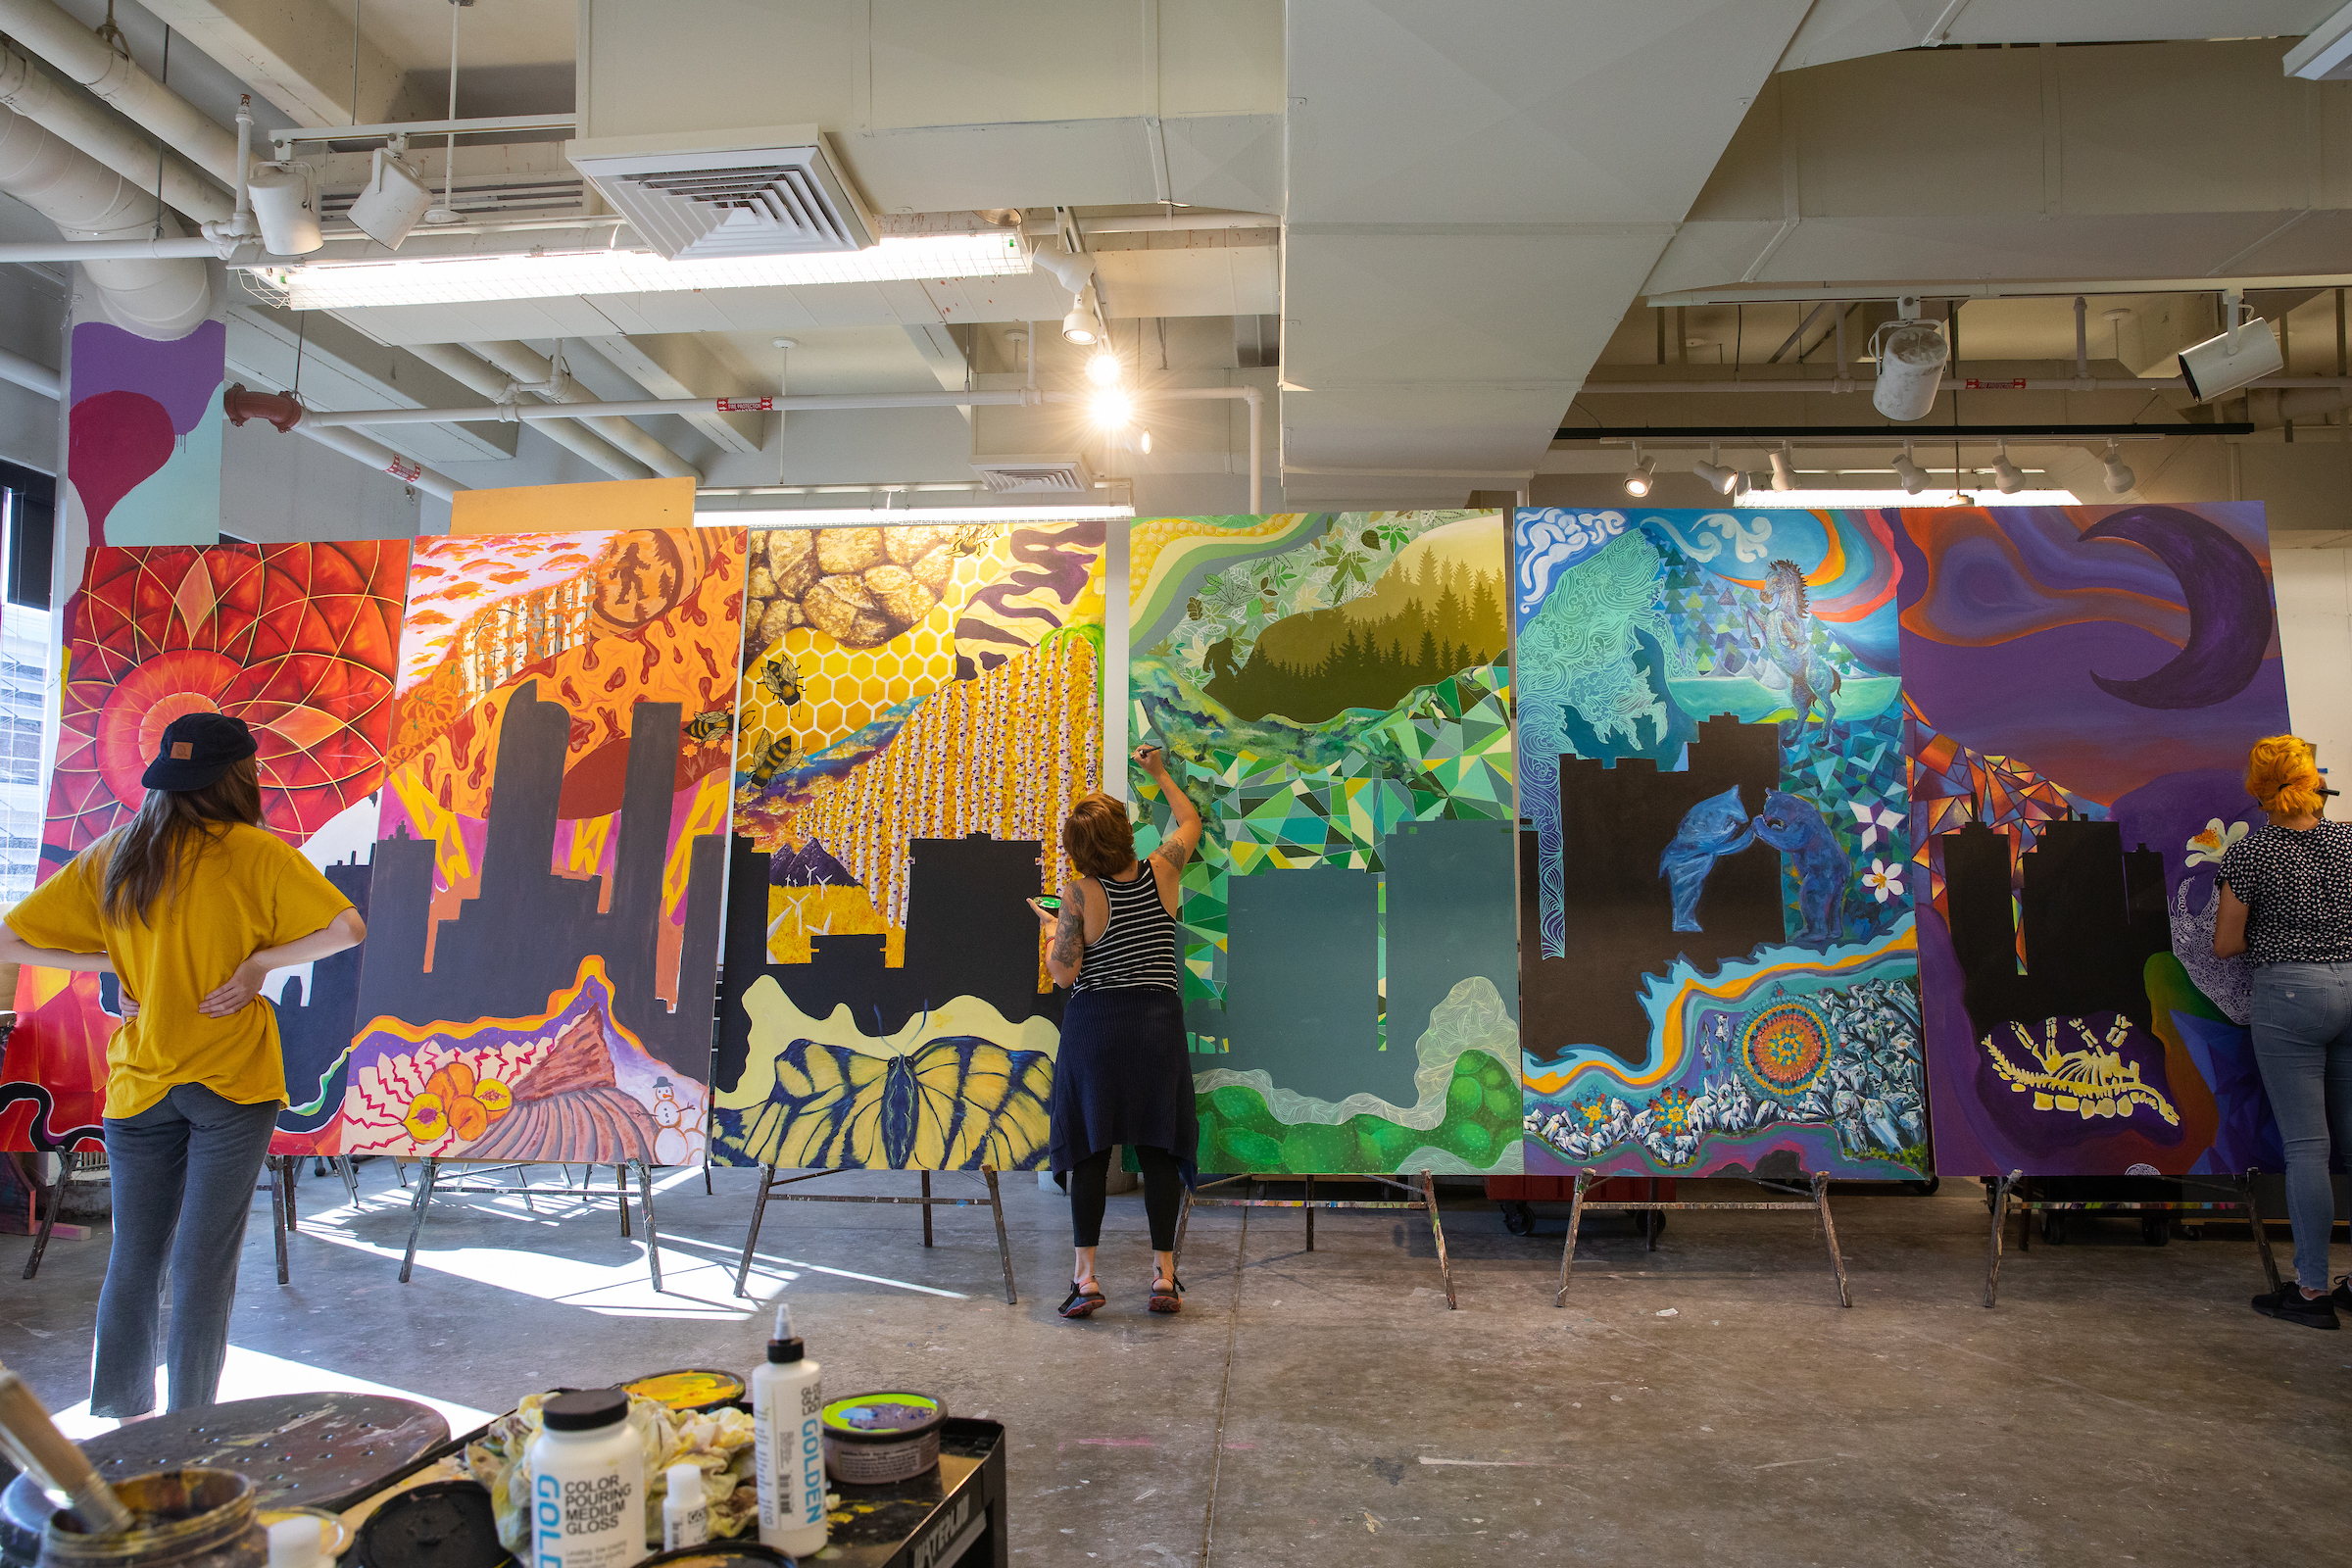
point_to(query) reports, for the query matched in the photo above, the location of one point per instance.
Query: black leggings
(1164, 1195)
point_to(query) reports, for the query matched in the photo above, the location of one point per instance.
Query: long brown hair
(150, 856)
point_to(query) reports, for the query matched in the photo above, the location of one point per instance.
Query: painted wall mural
(143, 428)
(1333, 693)
(299, 641)
(920, 708)
(1717, 952)
(2081, 685)
(544, 931)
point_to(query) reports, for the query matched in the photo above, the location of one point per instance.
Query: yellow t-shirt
(245, 891)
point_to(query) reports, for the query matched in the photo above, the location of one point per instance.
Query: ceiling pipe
(500, 388)
(550, 415)
(42, 26)
(161, 298)
(40, 97)
(30, 374)
(536, 373)
(376, 454)
(2153, 383)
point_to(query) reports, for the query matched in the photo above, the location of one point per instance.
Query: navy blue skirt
(1123, 1076)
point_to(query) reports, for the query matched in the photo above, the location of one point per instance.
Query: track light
(1642, 475)
(1079, 325)
(2119, 477)
(1911, 353)
(1715, 475)
(2007, 476)
(394, 199)
(1112, 409)
(1103, 369)
(1914, 477)
(1784, 473)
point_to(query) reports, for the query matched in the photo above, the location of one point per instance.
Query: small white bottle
(788, 1445)
(685, 1512)
(587, 1469)
(297, 1542)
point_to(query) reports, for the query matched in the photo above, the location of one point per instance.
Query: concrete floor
(1703, 1403)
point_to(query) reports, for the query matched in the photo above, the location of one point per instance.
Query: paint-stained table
(950, 1517)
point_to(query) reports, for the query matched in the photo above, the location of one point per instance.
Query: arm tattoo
(1175, 851)
(1069, 932)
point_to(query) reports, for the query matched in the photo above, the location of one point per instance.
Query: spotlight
(2007, 476)
(1103, 369)
(286, 207)
(2243, 352)
(2119, 477)
(1713, 474)
(1784, 473)
(1642, 475)
(1079, 325)
(393, 201)
(1914, 477)
(1911, 355)
(1113, 408)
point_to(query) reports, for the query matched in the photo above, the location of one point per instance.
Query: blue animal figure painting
(1717, 825)
(1785, 632)
(1796, 827)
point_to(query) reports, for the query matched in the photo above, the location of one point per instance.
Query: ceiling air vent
(776, 190)
(1035, 475)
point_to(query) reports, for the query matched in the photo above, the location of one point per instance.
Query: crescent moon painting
(2228, 600)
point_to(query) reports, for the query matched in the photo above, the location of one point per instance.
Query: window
(27, 502)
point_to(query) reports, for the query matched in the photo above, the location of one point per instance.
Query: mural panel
(1333, 693)
(1717, 956)
(2081, 685)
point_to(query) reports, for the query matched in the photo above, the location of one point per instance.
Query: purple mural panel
(144, 434)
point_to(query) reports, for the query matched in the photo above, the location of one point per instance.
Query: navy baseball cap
(197, 749)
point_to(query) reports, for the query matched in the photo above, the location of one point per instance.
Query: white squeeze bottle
(587, 1469)
(685, 1512)
(788, 1445)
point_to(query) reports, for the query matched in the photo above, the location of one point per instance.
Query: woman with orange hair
(2286, 905)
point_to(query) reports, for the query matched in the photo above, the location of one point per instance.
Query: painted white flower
(1883, 881)
(2208, 846)
(1874, 820)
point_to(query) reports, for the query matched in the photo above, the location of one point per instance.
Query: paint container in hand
(872, 1439)
(185, 1518)
(587, 1483)
(788, 1452)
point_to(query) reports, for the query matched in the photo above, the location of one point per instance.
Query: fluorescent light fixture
(470, 279)
(2119, 477)
(866, 517)
(1835, 499)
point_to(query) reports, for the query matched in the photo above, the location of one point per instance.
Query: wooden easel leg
(292, 1165)
(620, 1186)
(424, 1198)
(1829, 1233)
(743, 1270)
(1436, 1229)
(1576, 1215)
(653, 1241)
(926, 1208)
(996, 1203)
(2262, 1232)
(1993, 1249)
(56, 1197)
(279, 1209)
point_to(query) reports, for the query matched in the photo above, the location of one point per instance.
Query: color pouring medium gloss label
(581, 1524)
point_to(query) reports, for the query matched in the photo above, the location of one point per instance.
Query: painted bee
(782, 678)
(773, 757)
(704, 728)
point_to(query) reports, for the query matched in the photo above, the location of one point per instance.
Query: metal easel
(769, 1182)
(585, 1193)
(2017, 1190)
(282, 1217)
(1819, 1206)
(1423, 1197)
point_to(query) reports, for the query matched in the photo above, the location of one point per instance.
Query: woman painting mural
(1123, 1075)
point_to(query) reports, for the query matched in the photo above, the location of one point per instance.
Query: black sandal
(1083, 1302)
(1170, 1300)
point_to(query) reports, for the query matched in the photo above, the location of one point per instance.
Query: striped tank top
(1138, 947)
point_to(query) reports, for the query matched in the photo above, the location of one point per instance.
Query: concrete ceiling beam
(298, 54)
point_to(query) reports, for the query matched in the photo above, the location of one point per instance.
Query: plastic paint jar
(875, 1438)
(587, 1470)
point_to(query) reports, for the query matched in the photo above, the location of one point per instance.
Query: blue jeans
(183, 1173)
(2303, 1041)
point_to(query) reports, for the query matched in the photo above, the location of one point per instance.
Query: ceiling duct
(776, 190)
(1057, 475)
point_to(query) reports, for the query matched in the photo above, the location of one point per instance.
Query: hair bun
(2282, 775)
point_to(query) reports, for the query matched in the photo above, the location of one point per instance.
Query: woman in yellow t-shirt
(191, 904)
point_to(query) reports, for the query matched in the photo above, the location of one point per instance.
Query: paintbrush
(52, 1460)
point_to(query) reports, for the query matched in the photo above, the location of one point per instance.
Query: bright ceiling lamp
(1907, 469)
(1079, 326)
(1103, 369)
(862, 516)
(468, 279)
(2119, 477)
(2007, 476)
(1112, 409)
(1717, 477)
(1639, 478)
